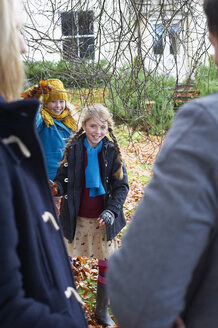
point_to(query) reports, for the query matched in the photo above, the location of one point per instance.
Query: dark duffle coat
(70, 180)
(36, 283)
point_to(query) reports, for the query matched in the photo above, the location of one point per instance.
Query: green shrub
(131, 92)
(79, 74)
(206, 78)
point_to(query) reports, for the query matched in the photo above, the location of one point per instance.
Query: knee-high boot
(101, 311)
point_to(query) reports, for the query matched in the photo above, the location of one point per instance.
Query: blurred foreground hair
(11, 65)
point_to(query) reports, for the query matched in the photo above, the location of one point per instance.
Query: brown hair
(103, 114)
(11, 65)
(211, 11)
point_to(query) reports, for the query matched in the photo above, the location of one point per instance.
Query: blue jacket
(36, 283)
(54, 140)
(116, 190)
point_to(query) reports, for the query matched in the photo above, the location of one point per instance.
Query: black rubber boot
(101, 310)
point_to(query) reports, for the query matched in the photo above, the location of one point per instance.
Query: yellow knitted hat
(57, 92)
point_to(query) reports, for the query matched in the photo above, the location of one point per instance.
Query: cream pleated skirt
(90, 240)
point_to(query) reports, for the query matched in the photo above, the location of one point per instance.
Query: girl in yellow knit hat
(55, 122)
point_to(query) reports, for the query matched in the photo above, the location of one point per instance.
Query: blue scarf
(92, 171)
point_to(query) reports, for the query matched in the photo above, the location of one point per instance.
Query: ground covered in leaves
(139, 152)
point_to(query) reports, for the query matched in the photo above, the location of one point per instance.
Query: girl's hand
(101, 222)
(37, 90)
(106, 217)
(54, 188)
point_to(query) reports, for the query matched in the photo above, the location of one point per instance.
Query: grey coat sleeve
(149, 275)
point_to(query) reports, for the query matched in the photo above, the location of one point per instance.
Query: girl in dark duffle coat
(36, 283)
(93, 179)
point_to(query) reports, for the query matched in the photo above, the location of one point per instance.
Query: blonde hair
(102, 113)
(73, 111)
(96, 110)
(11, 65)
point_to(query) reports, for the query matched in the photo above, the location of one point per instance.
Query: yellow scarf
(64, 117)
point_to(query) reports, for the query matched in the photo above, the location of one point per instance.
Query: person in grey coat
(168, 264)
(37, 287)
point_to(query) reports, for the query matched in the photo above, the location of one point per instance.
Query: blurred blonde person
(36, 284)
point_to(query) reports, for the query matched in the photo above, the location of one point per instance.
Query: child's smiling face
(56, 106)
(95, 129)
